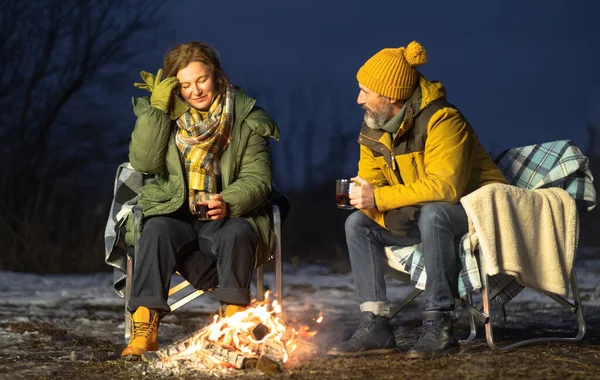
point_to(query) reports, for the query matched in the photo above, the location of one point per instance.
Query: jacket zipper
(414, 164)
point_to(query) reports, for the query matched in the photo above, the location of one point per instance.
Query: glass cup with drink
(201, 199)
(343, 188)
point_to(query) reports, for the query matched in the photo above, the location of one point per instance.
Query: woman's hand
(217, 208)
(162, 90)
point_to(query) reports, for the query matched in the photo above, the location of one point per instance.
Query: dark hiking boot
(437, 339)
(374, 335)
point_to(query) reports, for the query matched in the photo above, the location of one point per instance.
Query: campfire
(254, 338)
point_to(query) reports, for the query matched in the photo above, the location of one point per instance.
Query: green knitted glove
(149, 80)
(161, 90)
(162, 94)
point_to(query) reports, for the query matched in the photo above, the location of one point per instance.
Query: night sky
(520, 71)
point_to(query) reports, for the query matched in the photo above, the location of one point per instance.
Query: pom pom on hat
(392, 72)
(414, 54)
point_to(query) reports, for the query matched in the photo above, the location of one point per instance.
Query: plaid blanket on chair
(552, 164)
(128, 184)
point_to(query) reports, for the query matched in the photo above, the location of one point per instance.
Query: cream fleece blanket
(529, 234)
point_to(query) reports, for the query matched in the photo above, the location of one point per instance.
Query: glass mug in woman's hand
(343, 188)
(201, 207)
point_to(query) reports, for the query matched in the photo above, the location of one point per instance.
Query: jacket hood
(426, 93)
(255, 117)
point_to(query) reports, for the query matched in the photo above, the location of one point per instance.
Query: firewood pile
(252, 339)
(213, 354)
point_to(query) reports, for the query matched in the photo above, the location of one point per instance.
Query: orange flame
(238, 332)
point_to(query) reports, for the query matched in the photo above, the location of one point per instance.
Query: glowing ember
(255, 332)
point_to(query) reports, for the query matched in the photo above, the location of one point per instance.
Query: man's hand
(362, 197)
(217, 209)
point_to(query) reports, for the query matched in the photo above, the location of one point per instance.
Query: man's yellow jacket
(435, 155)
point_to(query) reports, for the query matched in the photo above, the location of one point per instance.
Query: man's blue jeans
(441, 226)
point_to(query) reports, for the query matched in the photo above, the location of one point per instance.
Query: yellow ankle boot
(144, 334)
(226, 311)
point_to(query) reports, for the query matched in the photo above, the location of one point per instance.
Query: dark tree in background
(55, 56)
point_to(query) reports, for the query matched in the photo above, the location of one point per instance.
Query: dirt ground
(50, 342)
(54, 351)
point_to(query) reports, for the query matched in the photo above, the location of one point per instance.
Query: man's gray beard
(374, 120)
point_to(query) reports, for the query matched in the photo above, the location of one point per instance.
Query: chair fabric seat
(410, 260)
(552, 164)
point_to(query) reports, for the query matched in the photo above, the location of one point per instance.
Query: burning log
(237, 359)
(253, 338)
(169, 351)
(271, 358)
(202, 347)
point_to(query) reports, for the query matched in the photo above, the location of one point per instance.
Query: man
(418, 157)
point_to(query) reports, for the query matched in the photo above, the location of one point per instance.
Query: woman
(207, 214)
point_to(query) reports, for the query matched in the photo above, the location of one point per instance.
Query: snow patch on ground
(310, 287)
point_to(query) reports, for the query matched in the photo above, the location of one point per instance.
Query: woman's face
(197, 85)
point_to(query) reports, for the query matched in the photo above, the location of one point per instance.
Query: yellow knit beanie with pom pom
(392, 71)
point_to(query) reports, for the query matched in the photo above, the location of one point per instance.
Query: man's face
(378, 109)
(197, 85)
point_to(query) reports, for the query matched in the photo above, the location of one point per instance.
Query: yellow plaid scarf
(201, 141)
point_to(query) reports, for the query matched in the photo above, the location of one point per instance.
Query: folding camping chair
(553, 164)
(127, 187)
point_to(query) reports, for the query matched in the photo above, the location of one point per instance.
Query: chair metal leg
(497, 290)
(278, 263)
(137, 219)
(473, 313)
(575, 308)
(409, 298)
(260, 287)
(128, 279)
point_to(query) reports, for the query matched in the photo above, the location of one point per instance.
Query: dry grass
(58, 228)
